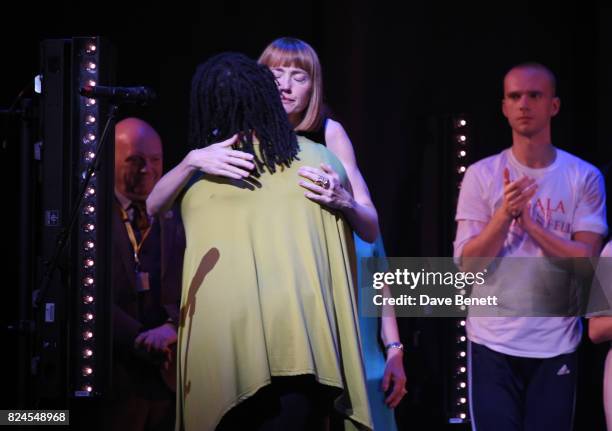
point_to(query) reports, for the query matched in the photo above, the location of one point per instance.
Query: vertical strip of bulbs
(459, 388)
(88, 55)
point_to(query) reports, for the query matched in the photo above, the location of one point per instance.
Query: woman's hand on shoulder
(325, 187)
(221, 160)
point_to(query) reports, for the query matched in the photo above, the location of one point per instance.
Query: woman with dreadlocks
(268, 332)
(296, 67)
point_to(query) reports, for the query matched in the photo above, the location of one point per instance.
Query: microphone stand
(64, 234)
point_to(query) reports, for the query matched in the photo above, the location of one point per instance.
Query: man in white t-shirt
(531, 200)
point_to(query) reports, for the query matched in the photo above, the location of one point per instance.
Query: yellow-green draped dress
(267, 291)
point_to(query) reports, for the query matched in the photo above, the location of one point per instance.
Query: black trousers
(510, 393)
(293, 403)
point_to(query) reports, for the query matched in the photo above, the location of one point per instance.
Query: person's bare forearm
(169, 186)
(600, 329)
(218, 159)
(363, 219)
(555, 246)
(487, 244)
(388, 328)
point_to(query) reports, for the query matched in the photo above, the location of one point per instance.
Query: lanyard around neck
(136, 246)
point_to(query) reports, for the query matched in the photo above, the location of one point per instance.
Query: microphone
(117, 95)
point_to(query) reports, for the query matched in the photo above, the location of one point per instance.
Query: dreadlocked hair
(230, 93)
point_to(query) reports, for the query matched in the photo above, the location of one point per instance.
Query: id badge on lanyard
(142, 278)
(142, 281)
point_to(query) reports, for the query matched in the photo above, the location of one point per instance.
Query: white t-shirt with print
(570, 198)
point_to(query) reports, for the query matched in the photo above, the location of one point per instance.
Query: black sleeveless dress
(318, 135)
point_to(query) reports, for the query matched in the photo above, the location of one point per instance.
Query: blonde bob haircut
(292, 52)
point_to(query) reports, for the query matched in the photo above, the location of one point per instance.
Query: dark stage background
(391, 70)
